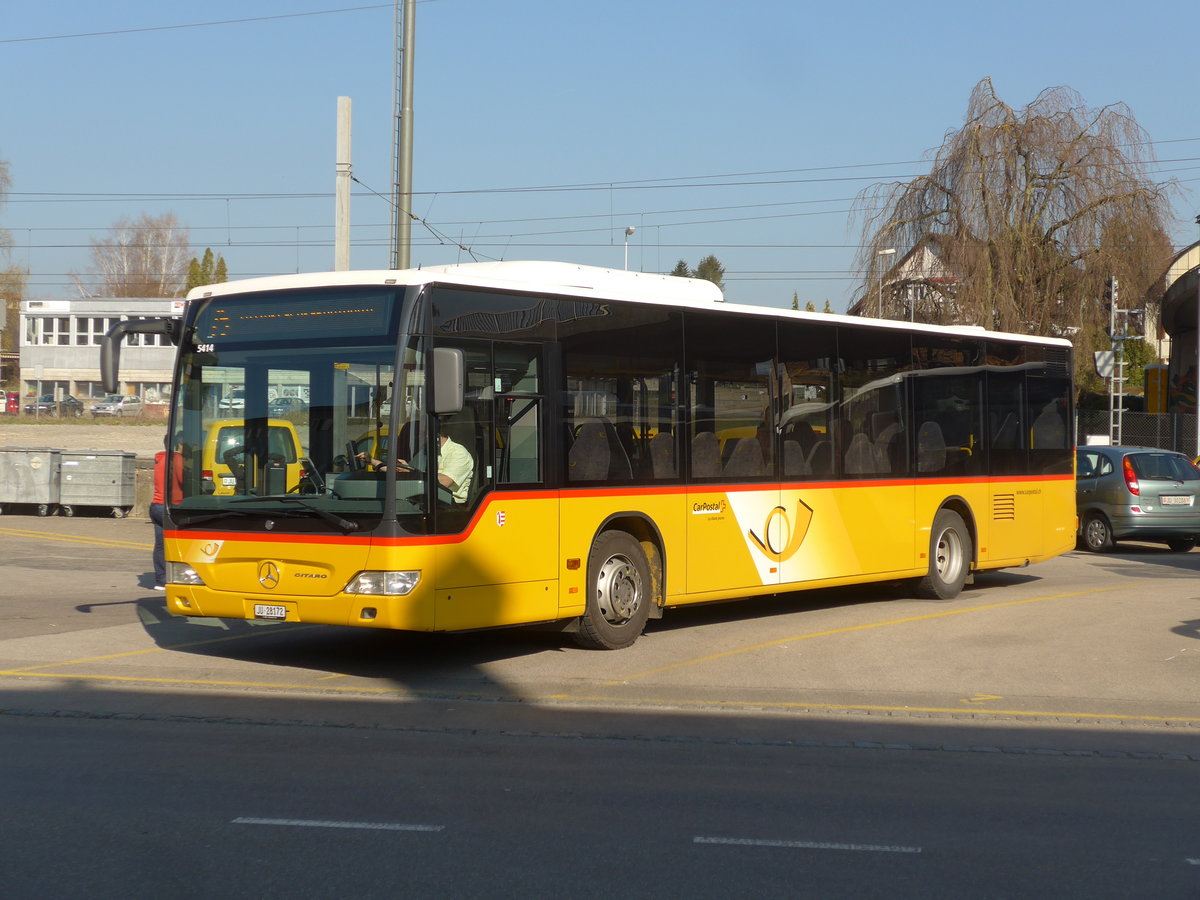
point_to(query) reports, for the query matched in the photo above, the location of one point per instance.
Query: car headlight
(182, 573)
(386, 582)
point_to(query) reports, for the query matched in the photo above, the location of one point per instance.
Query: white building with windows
(60, 347)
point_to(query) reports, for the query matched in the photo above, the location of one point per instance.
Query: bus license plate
(264, 611)
(1175, 500)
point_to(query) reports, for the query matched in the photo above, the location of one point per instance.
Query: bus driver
(455, 467)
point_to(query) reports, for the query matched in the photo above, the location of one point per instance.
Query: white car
(235, 402)
(118, 405)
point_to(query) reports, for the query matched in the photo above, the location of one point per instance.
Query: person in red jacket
(156, 506)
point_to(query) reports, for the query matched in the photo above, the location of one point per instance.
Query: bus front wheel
(949, 557)
(618, 600)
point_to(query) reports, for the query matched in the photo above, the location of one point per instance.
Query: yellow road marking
(796, 705)
(857, 707)
(29, 670)
(77, 539)
(724, 654)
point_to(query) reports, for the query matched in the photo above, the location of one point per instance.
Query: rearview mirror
(447, 381)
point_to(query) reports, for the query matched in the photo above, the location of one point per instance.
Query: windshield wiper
(205, 517)
(330, 517)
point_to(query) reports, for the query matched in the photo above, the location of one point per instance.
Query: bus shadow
(454, 663)
(418, 661)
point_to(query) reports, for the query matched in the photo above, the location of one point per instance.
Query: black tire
(619, 593)
(1181, 545)
(950, 555)
(1097, 534)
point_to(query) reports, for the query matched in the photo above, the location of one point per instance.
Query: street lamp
(629, 230)
(888, 252)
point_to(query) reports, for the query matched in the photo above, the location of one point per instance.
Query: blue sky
(740, 129)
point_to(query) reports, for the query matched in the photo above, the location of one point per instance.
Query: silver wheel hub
(948, 557)
(618, 590)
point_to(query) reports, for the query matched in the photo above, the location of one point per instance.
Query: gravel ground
(144, 440)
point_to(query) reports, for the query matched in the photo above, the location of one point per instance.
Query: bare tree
(12, 285)
(1027, 213)
(147, 257)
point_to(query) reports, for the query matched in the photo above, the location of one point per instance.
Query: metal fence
(1168, 431)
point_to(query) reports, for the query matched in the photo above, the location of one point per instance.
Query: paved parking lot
(142, 439)
(1093, 640)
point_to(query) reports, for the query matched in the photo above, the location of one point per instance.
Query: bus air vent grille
(1058, 361)
(1004, 507)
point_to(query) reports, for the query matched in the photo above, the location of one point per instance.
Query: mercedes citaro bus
(635, 444)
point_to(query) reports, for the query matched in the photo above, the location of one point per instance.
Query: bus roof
(572, 279)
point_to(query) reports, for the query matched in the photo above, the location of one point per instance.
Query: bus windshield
(280, 407)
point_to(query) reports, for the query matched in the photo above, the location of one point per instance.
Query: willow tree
(1024, 216)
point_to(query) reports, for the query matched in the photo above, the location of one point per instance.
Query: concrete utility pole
(341, 212)
(402, 140)
(888, 252)
(1117, 329)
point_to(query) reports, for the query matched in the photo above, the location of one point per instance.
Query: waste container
(29, 476)
(97, 478)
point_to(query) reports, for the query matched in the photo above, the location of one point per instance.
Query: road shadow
(1144, 555)
(1189, 629)
(916, 737)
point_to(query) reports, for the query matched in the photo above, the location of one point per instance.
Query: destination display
(349, 314)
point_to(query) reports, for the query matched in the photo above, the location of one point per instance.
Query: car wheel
(1181, 545)
(1097, 535)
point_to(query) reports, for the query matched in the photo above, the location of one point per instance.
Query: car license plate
(1175, 500)
(266, 611)
(228, 480)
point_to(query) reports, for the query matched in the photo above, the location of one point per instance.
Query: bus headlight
(397, 583)
(182, 573)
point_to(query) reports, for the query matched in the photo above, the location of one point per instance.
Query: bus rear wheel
(618, 603)
(949, 557)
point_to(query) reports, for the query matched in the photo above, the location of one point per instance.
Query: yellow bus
(610, 444)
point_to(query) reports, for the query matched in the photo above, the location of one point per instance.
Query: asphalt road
(1037, 736)
(136, 808)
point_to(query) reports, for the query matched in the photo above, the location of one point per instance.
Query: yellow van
(223, 463)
